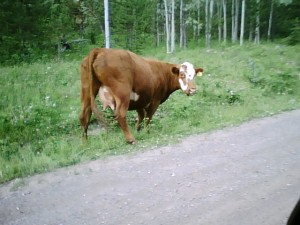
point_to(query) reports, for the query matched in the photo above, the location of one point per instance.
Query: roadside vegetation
(40, 105)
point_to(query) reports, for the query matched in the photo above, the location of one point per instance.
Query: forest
(43, 29)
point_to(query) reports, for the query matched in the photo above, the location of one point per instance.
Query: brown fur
(123, 73)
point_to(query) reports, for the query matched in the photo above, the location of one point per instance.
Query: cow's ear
(175, 70)
(199, 71)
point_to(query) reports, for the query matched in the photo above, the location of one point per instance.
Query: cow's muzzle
(190, 91)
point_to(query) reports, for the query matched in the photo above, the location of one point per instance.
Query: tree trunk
(167, 27)
(242, 23)
(270, 20)
(157, 26)
(224, 21)
(257, 26)
(211, 8)
(206, 23)
(198, 21)
(219, 10)
(181, 44)
(106, 23)
(236, 18)
(232, 21)
(211, 11)
(250, 31)
(173, 27)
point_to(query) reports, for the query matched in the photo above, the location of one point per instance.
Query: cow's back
(127, 72)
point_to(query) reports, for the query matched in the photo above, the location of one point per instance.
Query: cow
(126, 81)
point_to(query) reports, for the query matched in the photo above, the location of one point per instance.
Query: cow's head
(186, 77)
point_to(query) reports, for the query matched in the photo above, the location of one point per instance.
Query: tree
(209, 6)
(219, 12)
(257, 26)
(182, 27)
(167, 27)
(235, 20)
(206, 23)
(170, 31)
(173, 27)
(270, 20)
(106, 22)
(224, 21)
(211, 10)
(198, 20)
(242, 22)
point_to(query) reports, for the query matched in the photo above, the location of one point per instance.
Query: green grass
(40, 105)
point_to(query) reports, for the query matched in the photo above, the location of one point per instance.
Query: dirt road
(246, 175)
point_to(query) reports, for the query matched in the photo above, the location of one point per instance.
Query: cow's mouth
(191, 91)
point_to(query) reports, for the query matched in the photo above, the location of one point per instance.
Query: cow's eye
(182, 75)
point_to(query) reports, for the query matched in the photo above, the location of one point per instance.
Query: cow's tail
(92, 79)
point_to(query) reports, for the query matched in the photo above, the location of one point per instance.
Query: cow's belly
(139, 101)
(134, 105)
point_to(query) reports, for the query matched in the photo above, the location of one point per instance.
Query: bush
(294, 37)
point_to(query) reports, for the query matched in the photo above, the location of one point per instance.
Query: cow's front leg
(149, 114)
(141, 116)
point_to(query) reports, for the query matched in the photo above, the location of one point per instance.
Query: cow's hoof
(131, 142)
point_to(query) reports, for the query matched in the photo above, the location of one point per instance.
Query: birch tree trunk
(219, 10)
(257, 26)
(167, 27)
(106, 24)
(224, 21)
(250, 31)
(242, 22)
(206, 23)
(211, 9)
(198, 21)
(181, 44)
(157, 26)
(236, 18)
(270, 20)
(173, 27)
(232, 21)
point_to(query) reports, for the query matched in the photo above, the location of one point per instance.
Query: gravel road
(245, 175)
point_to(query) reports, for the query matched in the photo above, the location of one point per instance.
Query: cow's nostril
(192, 90)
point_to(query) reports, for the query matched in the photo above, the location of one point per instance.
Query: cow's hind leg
(85, 116)
(120, 115)
(86, 111)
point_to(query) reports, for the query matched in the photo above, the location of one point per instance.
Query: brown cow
(126, 81)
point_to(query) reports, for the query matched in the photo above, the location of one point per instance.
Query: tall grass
(40, 104)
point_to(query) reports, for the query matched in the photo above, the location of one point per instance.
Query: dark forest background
(40, 29)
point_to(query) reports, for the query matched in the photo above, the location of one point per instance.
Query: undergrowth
(40, 104)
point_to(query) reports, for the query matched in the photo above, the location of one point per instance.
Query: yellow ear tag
(199, 74)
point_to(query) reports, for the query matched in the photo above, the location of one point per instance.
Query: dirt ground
(245, 175)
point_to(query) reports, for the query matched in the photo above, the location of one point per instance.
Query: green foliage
(40, 105)
(134, 22)
(33, 29)
(294, 37)
(282, 79)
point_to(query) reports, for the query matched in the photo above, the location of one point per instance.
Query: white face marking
(182, 85)
(134, 96)
(188, 70)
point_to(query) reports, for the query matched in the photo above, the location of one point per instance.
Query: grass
(40, 104)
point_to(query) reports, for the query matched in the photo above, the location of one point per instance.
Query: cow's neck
(171, 82)
(172, 79)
